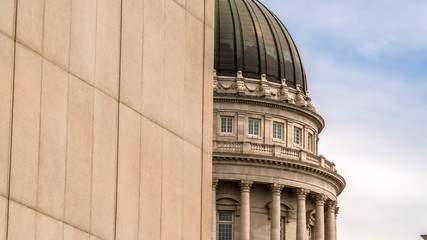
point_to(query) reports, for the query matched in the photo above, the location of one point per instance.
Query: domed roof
(251, 39)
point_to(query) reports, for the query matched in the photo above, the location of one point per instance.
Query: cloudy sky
(366, 63)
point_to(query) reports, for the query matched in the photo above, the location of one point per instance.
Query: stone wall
(105, 119)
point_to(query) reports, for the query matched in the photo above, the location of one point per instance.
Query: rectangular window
(309, 142)
(277, 130)
(282, 228)
(225, 225)
(227, 124)
(297, 136)
(254, 126)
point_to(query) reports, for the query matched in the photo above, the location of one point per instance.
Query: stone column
(301, 214)
(276, 189)
(319, 229)
(213, 218)
(330, 225)
(245, 209)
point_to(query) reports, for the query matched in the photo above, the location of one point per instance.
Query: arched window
(227, 209)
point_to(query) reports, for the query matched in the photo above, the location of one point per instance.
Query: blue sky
(366, 64)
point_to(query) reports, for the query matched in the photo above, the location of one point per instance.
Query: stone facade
(293, 193)
(105, 119)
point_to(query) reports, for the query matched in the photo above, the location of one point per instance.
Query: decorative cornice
(335, 179)
(214, 184)
(265, 102)
(302, 193)
(245, 185)
(320, 199)
(275, 188)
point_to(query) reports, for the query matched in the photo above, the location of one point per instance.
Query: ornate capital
(302, 193)
(320, 199)
(214, 184)
(276, 188)
(331, 206)
(245, 185)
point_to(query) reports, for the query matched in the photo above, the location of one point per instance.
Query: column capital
(331, 206)
(302, 193)
(276, 188)
(214, 184)
(320, 199)
(245, 185)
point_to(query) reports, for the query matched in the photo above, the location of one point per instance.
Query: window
(225, 225)
(282, 228)
(310, 233)
(226, 124)
(277, 130)
(254, 126)
(297, 136)
(309, 142)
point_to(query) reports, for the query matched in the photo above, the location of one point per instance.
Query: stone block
(172, 186)
(56, 39)
(83, 39)
(72, 233)
(6, 83)
(22, 222)
(53, 140)
(210, 13)
(48, 228)
(7, 21)
(29, 26)
(3, 217)
(128, 174)
(191, 192)
(79, 154)
(151, 180)
(193, 81)
(173, 83)
(104, 166)
(108, 46)
(26, 127)
(196, 8)
(131, 53)
(208, 90)
(154, 84)
(206, 195)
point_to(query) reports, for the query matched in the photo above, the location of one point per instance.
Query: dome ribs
(260, 38)
(250, 43)
(251, 39)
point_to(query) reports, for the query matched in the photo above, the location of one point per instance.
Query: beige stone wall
(105, 119)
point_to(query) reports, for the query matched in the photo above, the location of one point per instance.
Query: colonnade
(325, 226)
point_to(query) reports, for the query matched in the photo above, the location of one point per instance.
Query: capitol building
(158, 120)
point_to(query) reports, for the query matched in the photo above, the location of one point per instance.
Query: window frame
(282, 132)
(299, 138)
(254, 120)
(231, 222)
(310, 141)
(229, 124)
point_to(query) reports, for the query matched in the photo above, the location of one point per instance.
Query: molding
(336, 180)
(232, 98)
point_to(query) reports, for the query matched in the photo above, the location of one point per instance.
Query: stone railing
(273, 151)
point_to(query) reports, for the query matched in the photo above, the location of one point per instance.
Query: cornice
(232, 98)
(336, 180)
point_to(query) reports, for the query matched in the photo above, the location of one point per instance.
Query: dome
(251, 39)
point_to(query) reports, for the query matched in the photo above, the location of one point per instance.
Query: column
(301, 214)
(245, 209)
(213, 222)
(319, 229)
(276, 189)
(330, 228)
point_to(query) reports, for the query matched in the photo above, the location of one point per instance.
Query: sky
(366, 67)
